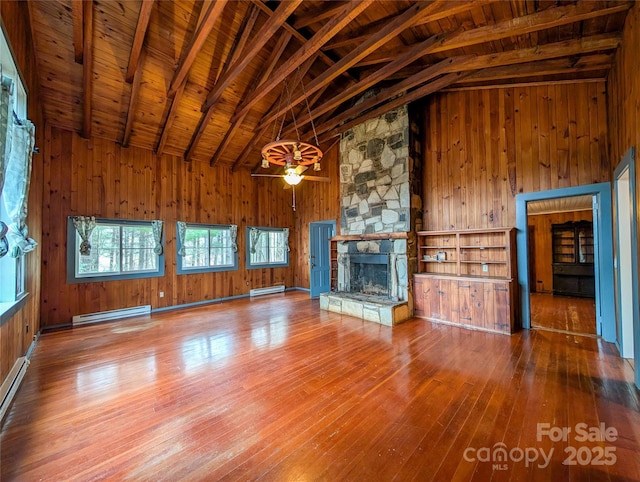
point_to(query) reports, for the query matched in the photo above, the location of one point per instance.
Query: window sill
(10, 308)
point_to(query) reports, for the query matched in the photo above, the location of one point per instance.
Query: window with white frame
(267, 247)
(103, 249)
(203, 248)
(13, 106)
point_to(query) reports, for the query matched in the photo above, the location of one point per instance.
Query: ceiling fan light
(265, 162)
(297, 155)
(316, 166)
(291, 177)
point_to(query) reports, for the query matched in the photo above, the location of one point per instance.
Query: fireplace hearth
(373, 281)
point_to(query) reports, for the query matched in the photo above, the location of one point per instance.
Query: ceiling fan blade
(300, 169)
(253, 174)
(317, 178)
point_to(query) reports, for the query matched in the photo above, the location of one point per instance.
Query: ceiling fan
(292, 176)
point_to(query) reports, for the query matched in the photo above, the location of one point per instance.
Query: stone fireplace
(380, 209)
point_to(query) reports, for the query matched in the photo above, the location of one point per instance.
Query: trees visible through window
(117, 250)
(268, 247)
(206, 247)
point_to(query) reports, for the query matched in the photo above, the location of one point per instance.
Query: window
(118, 250)
(267, 247)
(203, 248)
(13, 102)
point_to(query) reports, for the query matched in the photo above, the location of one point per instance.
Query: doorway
(603, 252)
(561, 265)
(626, 260)
(319, 256)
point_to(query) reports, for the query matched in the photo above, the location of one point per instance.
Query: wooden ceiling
(205, 79)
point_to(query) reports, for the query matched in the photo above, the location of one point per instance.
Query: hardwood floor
(564, 313)
(274, 389)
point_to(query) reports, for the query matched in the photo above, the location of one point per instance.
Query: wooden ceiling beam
(176, 96)
(450, 8)
(297, 35)
(133, 101)
(438, 43)
(430, 88)
(212, 12)
(260, 39)
(426, 75)
(590, 63)
(346, 15)
(567, 48)
(319, 14)
(549, 18)
(138, 38)
(87, 66)
(240, 41)
(438, 11)
(467, 64)
(276, 53)
(396, 26)
(77, 18)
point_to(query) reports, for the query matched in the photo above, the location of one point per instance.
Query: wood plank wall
(14, 337)
(485, 146)
(316, 201)
(99, 177)
(542, 260)
(624, 99)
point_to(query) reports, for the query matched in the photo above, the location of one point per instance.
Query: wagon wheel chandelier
(292, 153)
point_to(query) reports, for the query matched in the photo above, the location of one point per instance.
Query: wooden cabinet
(466, 279)
(573, 273)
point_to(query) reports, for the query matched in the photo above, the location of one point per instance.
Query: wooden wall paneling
(552, 159)
(562, 137)
(486, 146)
(98, 177)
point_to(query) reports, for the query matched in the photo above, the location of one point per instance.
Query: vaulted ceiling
(215, 80)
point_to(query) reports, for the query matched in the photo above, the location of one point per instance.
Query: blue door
(319, 259)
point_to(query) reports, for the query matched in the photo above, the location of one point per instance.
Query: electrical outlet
(485, 268)
(161, 294)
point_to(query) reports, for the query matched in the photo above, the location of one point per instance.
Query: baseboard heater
(111, 315)
(11, 384)
(266, 291)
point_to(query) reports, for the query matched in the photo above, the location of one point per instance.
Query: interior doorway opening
(561, 264)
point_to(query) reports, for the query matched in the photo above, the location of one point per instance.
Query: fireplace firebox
(369, 274)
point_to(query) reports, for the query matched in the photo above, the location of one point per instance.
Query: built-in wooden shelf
(473, 285)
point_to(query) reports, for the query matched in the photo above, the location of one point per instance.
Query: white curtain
(233, 234)
(254, 236)
(84, 226)
(19, 148)
(285, 232)
(5, 113)
(156, 226)
(182, 232)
